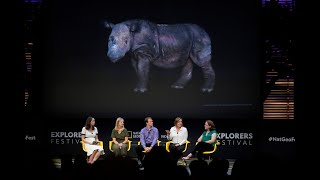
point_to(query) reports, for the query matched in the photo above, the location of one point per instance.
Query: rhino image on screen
(163, 45)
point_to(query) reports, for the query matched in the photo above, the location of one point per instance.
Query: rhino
(162, 45)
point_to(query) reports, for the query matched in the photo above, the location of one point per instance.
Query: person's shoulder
(184, 128)
(172, 128)
(125, 129)
(143, 128)
(95, 128)
(83, 128)
(155, 128)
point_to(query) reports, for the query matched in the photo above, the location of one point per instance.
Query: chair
(158, 143)
(168, 144)
(211, 152)
(111, 142)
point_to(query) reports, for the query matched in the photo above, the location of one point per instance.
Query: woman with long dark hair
(206, 141)
(89, 136)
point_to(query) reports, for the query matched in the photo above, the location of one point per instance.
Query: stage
(186, 163)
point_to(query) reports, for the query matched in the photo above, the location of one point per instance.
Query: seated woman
(178, 136)
(206, 141)
(120, 137)
(89, 136)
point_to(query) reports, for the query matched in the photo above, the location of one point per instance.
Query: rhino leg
(185, 75)
(201, 56)
(209, 76)
(141, 67)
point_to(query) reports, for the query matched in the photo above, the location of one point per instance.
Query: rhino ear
(108, 24)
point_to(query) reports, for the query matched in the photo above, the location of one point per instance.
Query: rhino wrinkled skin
(163, 45)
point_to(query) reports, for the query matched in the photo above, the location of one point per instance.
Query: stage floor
(57, 163)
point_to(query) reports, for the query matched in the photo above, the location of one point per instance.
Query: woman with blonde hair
(120, 137)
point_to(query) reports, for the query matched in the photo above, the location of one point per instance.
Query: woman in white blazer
(178, 136)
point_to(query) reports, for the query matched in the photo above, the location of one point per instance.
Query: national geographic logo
(235, 139)
(136, 135)
(282, 139)
(65, 137)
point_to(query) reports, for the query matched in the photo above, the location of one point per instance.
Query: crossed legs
(94, 156)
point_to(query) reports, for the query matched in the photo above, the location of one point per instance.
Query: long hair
(88, 123)
(211, 124)
(117, 123)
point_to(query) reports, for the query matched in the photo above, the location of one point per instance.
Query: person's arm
(113, 136)
(155, 137)
(169, 137)
(114, 140)
(200, 139)
(184, 137)
(96, 137)
(213, 138)
(126, 136)
(142, 140)
(83, 136)
(125, 140)
(84, 140)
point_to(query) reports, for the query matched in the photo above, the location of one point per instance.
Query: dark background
(75, 78)
(70, 53)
